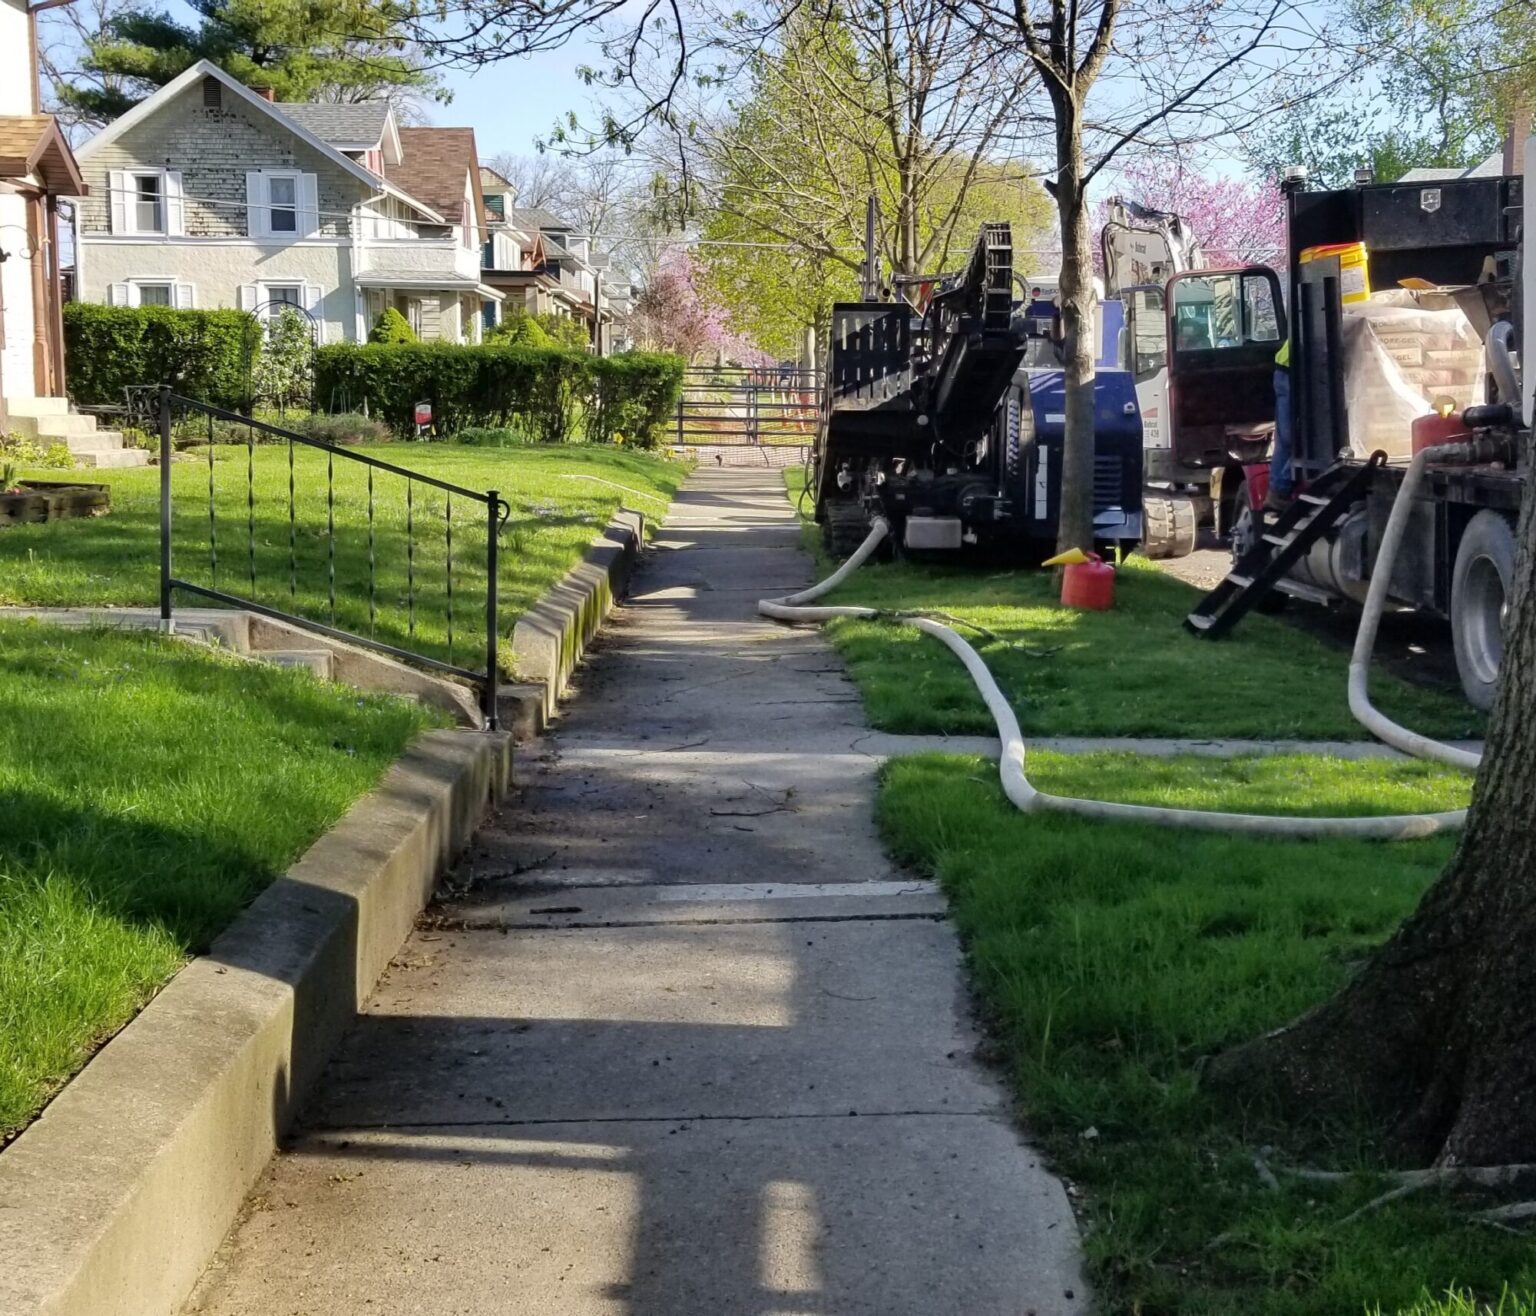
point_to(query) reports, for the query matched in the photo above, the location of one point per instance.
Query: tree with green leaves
(327, 50)
(1451, 73)
(898, 101)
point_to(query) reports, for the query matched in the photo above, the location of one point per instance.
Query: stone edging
(551, 636)
(115, 1198)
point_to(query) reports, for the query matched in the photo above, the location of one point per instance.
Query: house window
(156, 294)
(148, 203)
(279, 296)
(283, 203)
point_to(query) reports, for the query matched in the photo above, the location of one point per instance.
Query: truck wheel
(1170, 522)
(1480, 582)
(1247, 526)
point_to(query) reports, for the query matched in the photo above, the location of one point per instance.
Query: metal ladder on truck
(1280, 545)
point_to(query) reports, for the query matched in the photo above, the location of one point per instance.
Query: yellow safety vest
(1283, 356)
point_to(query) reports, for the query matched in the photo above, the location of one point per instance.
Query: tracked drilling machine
(932, 420)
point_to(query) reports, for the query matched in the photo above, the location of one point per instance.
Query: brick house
(209, 194)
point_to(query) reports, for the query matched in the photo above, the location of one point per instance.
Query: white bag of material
(1402, 351)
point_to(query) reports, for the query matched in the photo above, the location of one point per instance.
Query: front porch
(437, 310)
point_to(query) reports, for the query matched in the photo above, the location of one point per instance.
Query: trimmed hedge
(201, 354)
(546, 392)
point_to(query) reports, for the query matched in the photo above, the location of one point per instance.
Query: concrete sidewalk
(682, 1043)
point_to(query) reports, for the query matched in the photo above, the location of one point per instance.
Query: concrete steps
(49, 421)
(318, 661)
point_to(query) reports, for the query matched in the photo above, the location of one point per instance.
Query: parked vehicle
(1415, 346)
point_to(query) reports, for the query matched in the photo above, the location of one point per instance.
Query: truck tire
(1170, 524)
(1480, 583)
(1247, 526)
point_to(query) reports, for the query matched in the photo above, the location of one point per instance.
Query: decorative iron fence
(768, 407)
(399, 573)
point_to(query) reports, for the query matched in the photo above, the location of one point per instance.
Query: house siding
(214, 149)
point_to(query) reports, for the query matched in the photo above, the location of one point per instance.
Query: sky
(512, 104)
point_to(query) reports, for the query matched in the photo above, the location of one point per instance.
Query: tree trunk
(1436, 1036)
(1075, 527)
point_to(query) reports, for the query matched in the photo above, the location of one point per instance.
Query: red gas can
(1434, 429)
(1089, 584)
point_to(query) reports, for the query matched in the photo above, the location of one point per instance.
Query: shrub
(285, 372)
(633, 397)
(207, 355)
(345, 427)
(18, 450)
(391, 327)
(544, 391)
(518, 329)
(562, 331)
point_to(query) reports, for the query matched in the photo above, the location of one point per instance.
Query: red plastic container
(1088, 585)
(1434, 429)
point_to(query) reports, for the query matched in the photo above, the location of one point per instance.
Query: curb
(551, 636)
(113, 1201)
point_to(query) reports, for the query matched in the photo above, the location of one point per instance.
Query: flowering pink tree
(675, 313)
(1237, 221)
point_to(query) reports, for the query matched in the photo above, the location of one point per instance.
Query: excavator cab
(1202, 351)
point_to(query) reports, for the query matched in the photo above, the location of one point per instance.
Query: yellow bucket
(1354, 268)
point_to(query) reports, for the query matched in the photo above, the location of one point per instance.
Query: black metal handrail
(496, 513)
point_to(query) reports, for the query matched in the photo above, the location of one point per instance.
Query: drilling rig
(933, 420)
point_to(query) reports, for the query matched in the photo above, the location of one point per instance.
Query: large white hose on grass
(1365, 713)
(1017, 786)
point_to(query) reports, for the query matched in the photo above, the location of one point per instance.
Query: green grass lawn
(148, 791)
(115, 559)
(1134, 671)
(1110, 959)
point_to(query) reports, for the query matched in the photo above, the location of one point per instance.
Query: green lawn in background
(1133, 671)
(148, 791)
(115, 559)
(1109, 959)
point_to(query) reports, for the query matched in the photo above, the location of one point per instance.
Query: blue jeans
(1280, 478)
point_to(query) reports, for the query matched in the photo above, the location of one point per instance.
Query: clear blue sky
(512, 104)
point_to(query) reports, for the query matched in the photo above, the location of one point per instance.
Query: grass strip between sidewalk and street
(1110, 959)
(149, 790)
(559, 504)
(1131, 671)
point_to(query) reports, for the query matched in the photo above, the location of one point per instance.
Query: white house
(210, 194)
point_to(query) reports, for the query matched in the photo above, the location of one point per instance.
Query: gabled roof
(435, 165)
(1492, 167)
(32, 144)
(359, 127)
(536, 217)
(204, 69)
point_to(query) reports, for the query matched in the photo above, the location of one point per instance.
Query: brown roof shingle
(33, 143)
(433, 168)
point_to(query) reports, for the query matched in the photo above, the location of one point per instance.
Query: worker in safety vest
(1282, 483)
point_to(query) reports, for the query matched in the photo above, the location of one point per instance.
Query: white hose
(1016, 785)
(1374, 721)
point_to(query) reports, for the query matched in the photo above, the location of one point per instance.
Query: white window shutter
(255, 206)
(117, 185)
(314, 303)
(309, 205)
(248, 297)
(185, 298)
(175, 207)
(118, 294)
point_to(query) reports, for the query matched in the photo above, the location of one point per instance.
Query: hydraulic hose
(1374, 721)
(1025, 796)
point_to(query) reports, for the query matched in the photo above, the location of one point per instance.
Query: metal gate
(748, 415)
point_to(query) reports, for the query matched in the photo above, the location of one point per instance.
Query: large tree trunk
(1075, 527)
(1436, 1036)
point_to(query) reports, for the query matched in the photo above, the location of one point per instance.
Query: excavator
(1200, 345)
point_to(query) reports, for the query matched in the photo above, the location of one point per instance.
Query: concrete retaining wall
(113, 1201)
(551, 636)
